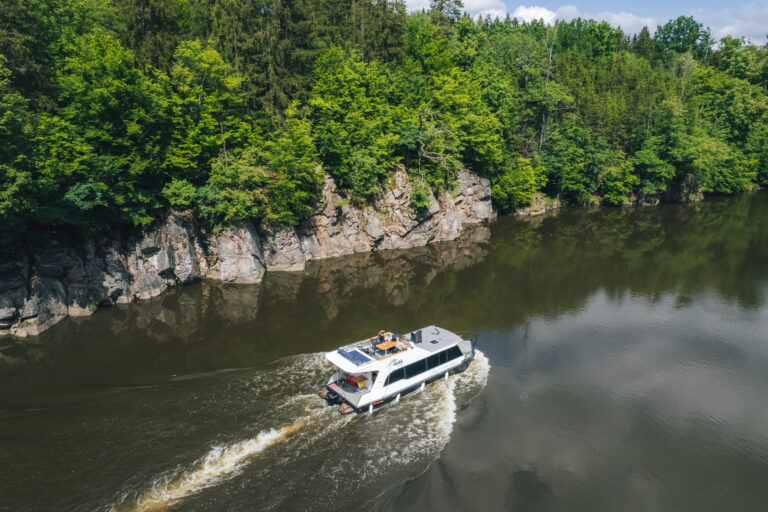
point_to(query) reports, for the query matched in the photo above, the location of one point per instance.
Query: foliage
(206, 111)
(13, 116)
(653, 172)
(681, 35)
(97, 160)
(354, 122)
(275, 180)
(235, 189)
(180, 194)
(421, 195)
(113, 112)
(296, 173)
(617, 182)
(574, 161)
(448, 10)
(516, 186)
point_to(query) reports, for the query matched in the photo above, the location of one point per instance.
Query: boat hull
(346, 407)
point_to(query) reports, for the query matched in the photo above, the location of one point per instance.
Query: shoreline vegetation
(114, 113)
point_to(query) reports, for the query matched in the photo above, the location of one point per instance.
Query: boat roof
(356, 358)
(435, 339)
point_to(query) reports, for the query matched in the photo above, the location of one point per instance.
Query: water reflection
(209, 325)
(628, 358)
(546, 267)
(527, 491)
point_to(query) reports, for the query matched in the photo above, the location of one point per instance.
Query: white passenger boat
(383, 368)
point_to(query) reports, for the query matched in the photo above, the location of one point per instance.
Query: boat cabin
(381, 367)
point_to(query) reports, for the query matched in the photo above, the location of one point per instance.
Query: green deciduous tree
(517, 183)
(98, 160)
(654, 173)
(617, 181)
(683, 34)
(295, 172)
(354, 122)
(206, 110)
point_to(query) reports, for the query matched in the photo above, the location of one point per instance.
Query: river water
(623, 365)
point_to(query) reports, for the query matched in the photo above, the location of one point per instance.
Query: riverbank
(46, 277)
(607, 329)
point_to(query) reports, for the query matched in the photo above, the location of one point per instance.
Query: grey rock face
(473, 202)
(239, 255)
(47, 279)
(283, 250)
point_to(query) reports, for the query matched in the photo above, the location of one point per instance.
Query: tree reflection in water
(490, 279)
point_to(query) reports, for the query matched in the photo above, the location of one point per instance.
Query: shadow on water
(208, 326)
(541, 266)
(628, 372)
(527, 491)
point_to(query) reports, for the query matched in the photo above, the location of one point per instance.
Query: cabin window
(433, 361)
(453, 353)
(415, 369)
(396, 375)
(443, 357)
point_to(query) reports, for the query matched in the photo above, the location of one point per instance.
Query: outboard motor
(332, 398)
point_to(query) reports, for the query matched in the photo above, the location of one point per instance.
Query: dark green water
(624, 366)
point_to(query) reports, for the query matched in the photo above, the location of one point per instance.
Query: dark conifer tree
(642, 44)
(153, 29)
(448, 9)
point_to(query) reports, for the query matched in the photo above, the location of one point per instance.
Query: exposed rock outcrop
(539, 206)
(337, 228)
(46, 277)
(203, 322)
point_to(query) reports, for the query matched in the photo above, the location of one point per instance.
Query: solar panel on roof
(355, 356)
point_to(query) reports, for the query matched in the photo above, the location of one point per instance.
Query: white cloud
(749, 21)
(417, 5)
(534, 12)
(628, 21)
(492, 8)
(568, 12)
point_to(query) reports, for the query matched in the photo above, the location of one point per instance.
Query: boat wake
(346, 453)
(220, 463)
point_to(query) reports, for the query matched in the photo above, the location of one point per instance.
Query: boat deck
(350, 394)
(431, 339)
(374, 349)
(362, 361)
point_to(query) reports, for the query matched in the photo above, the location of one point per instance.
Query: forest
(114, 112)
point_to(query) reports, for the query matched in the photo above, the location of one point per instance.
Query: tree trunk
(546, 88)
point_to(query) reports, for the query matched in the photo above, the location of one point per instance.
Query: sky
(747, 19)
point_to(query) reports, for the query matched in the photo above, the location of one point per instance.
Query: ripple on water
(347, 453)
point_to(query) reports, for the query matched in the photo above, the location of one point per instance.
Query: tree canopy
(113, 112)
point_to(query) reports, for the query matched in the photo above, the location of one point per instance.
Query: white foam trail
(420, 425)
(474, 379)
(220, 463)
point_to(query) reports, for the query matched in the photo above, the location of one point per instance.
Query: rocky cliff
(45, 277)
